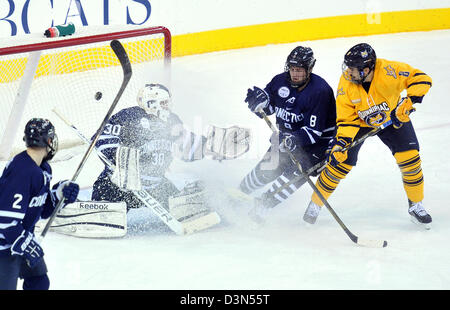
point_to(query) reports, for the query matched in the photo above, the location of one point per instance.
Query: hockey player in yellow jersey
(368, 96)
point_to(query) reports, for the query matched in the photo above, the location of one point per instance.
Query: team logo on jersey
(160, 145)
(390, 71)
(283, 92)
(340, 91)
(375, 115)
(403, 73)
(290, 101)
(38, 201)
(288, 116)
(47, 177)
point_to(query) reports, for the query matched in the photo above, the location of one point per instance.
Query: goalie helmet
(300, 57)
(40, 132)
(155, 99)
(360, 56)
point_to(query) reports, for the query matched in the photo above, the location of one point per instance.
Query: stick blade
(200, 223)
(372, 243)
(122, 55)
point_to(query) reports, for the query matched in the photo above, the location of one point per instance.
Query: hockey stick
(354, 238)
(122, 56)
(188, 226)
(321, 165)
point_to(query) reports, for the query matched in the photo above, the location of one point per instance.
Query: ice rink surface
(284, 254)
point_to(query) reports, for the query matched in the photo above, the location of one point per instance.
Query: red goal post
(78, 75)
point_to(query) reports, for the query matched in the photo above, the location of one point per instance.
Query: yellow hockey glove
(336, 156)
(401, 113)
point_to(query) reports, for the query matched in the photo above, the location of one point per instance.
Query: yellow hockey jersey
(356, 108)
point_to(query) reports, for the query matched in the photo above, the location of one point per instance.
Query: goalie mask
(40, 132)
(155, 99)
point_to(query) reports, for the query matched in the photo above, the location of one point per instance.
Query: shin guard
(328, 180)
(410, 166)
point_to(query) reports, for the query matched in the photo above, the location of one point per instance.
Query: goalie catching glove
(227, 143)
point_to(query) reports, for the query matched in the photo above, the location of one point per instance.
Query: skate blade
(426, 226)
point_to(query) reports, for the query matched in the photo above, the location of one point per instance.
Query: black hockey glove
(257, 99)
(67, 189)
(25, 245)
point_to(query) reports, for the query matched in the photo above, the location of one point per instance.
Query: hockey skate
(258, 212)
(261, 207)
(311, 213)
(419, 215)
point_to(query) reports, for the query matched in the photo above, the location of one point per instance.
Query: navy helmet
(40, 132)
(360, 56)
(300, 57)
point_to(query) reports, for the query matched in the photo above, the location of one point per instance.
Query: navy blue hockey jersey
(25, 197)
(158, 141)
(309, 114)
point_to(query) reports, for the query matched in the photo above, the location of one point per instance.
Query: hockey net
(79, 75)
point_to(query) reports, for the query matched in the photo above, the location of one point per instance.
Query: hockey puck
(98, 95)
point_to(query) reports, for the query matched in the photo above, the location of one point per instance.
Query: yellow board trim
(70, 61)
(271, 33)
(310, 29)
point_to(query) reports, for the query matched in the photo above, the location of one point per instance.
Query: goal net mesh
(78, 75)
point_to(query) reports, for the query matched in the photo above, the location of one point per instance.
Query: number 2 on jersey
(17, 199)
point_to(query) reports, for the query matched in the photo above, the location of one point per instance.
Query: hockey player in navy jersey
(25, 197)
(305, 111)
(142, 141)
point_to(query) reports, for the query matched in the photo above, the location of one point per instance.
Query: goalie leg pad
(190, 207)
(126, 175)
(186, 206)
(92, 219)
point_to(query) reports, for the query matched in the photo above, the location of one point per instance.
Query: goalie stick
(188, 226)
(122, 56)
(353, 237)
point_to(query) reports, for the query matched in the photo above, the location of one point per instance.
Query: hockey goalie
(138, 145)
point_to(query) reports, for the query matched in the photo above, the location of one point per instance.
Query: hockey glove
(288, 142)
(257, 99)
(67, 189)
(401, 113)
(26, 245)
(336, 156)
